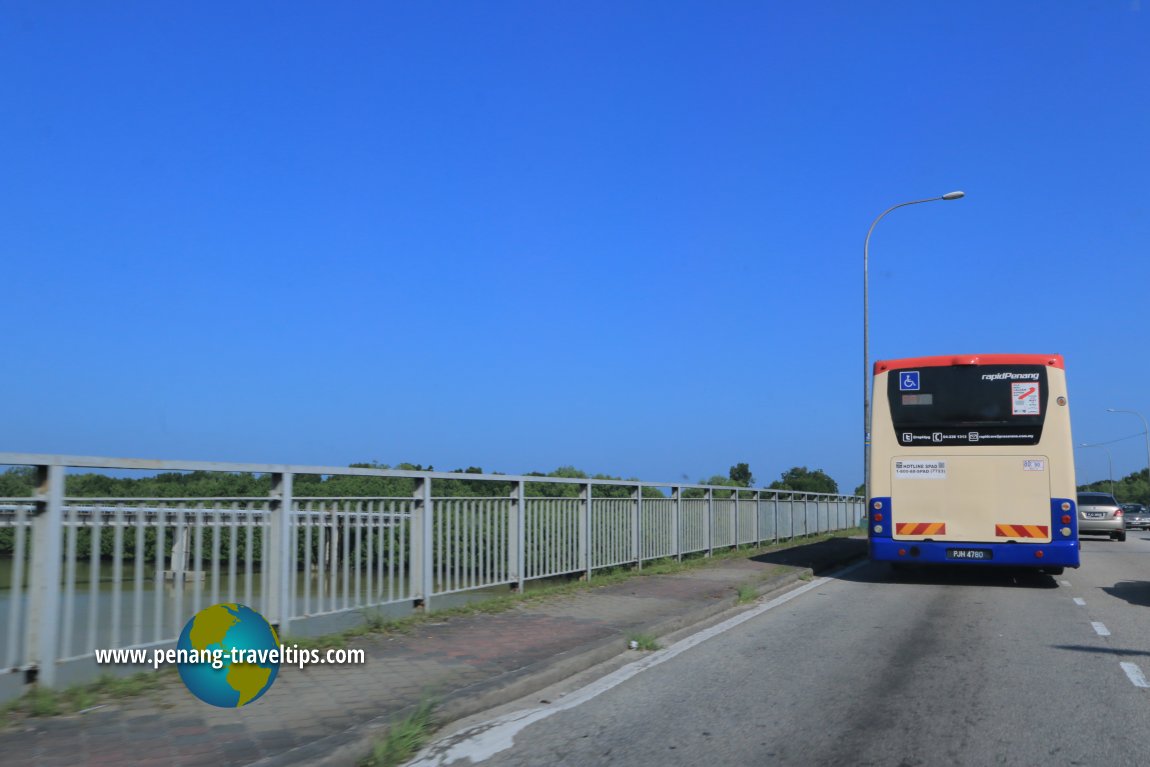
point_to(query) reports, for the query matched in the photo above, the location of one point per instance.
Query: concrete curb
(353, 744)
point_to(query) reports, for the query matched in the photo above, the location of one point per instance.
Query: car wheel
(1119, 536)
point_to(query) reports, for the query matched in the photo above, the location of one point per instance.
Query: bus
(972, 463)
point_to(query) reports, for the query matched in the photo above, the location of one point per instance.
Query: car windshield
(1096, 499)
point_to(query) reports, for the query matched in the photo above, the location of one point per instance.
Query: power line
(1112, 441)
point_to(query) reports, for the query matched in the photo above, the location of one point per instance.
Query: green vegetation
(403, 739)
(803, 479)
(20, 482)
(643, 642)
(747, 593)
(1133, 488)
(39, 701)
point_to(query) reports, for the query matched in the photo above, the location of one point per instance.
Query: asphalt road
(937, 667)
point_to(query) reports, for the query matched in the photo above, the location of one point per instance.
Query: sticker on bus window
(1034, 464)
(1024, 398)
(920, 469)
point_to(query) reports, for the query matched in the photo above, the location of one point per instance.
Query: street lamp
(866, 334)
(1145, 432)
(1109, 459)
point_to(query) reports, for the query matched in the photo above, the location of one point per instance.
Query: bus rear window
(968, 405)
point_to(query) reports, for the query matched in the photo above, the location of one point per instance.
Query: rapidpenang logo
(1010, 376)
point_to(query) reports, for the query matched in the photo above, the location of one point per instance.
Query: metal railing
(87, 573)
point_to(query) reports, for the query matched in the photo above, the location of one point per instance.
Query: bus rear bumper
(1053, 554)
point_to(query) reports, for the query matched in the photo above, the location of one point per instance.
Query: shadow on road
(823, 557)
(955, 576)
(1134, 592)
(820, 556)
(1099, 650)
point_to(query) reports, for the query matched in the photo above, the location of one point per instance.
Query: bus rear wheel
(1053, 570)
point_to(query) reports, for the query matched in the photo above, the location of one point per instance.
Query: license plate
(1095, 514)
(969, 554)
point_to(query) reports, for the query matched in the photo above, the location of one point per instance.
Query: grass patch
(42, 702)
(403, 740)
(644, 642)
(747, 593)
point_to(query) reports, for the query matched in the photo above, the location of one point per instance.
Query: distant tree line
(20, 482)
(1133, 488)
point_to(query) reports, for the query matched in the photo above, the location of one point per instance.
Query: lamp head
(954, 195)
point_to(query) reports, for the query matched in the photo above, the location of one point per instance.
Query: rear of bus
(972, 462)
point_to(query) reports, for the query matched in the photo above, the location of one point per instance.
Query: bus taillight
(1066, 519)
(1038, 554)
(877, 517)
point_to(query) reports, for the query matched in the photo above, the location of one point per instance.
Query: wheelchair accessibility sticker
(908, 380)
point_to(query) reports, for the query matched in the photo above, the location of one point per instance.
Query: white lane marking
(482, 741)
(1100, 629)
(1135, 674)
(1080, 601)
(1064, 583)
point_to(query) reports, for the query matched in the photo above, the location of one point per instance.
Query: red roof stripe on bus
(1049, 360)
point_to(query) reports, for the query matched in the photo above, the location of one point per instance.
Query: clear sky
(518, 235)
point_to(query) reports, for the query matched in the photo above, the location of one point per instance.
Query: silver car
(1100, 514)
(1136, 516)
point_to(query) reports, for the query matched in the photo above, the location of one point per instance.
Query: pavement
(330, 715)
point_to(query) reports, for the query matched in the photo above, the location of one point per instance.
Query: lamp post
(866, 335)
(1109, 459)
(1145, 433)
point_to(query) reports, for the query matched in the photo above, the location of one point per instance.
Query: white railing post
(637, 528)
(758, 522)
(422, 542)
(279, 551)
(710, 521)
(676, 534)
(735, 518)
(775, 504)
(515, 537)
(585, 547)
(43, 612)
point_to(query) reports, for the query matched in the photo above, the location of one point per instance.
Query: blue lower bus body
(1062, 551)
(1054, 554)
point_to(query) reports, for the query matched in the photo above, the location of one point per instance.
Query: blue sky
(621, 236)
